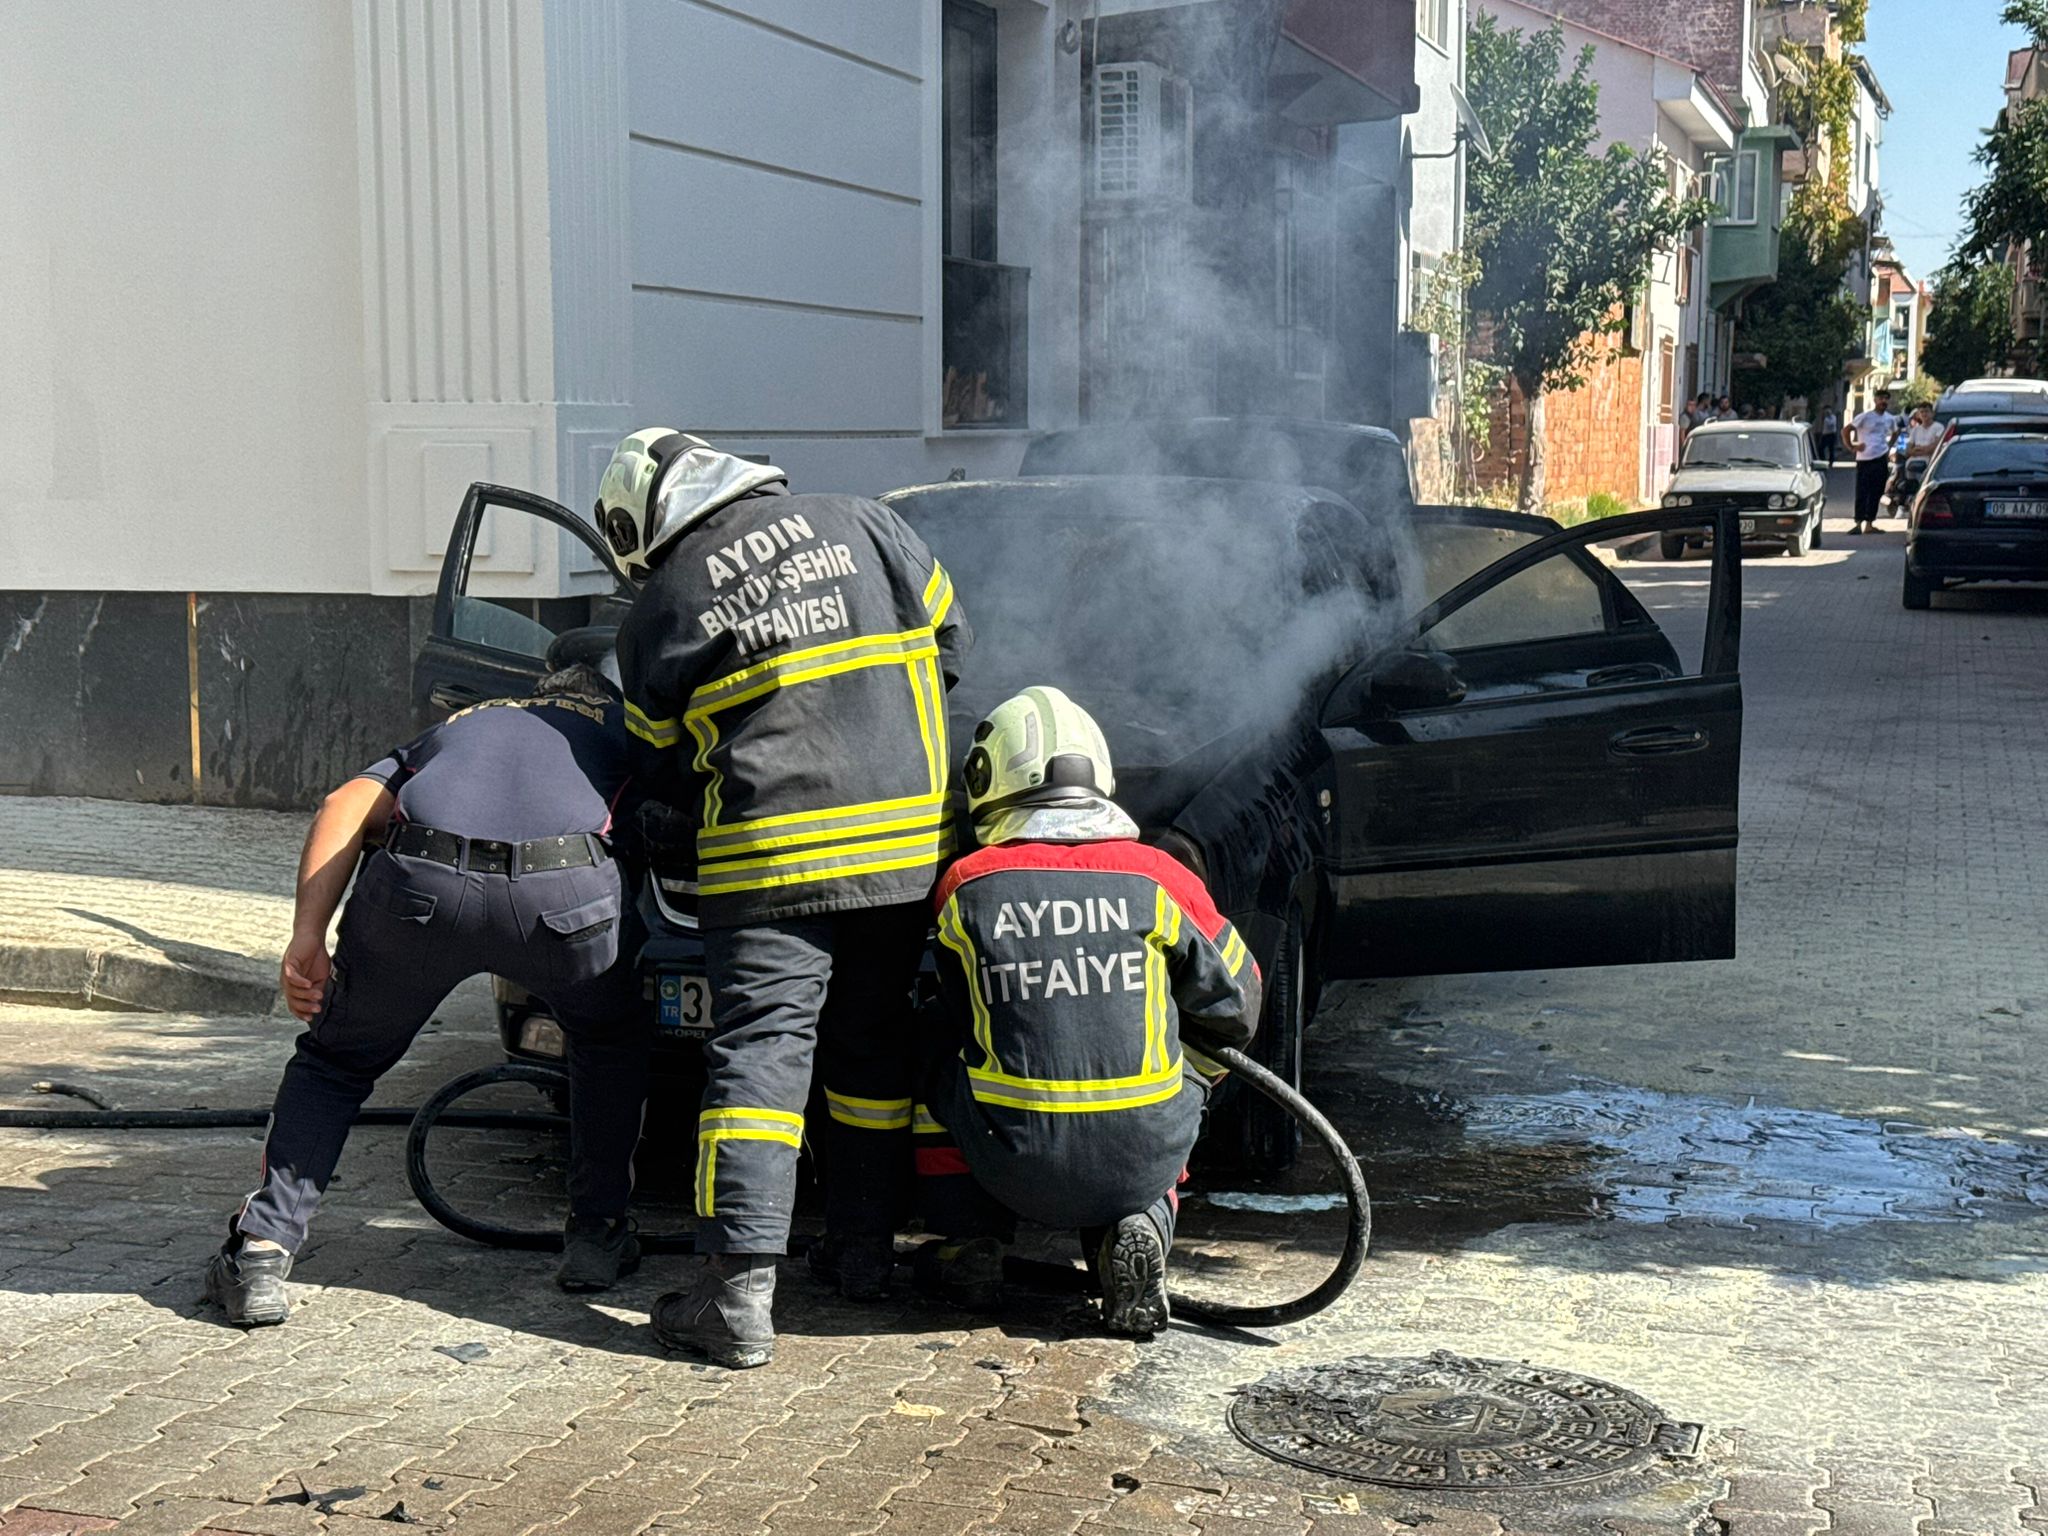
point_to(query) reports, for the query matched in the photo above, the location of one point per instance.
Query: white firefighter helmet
(661, 483)
(1039, 748)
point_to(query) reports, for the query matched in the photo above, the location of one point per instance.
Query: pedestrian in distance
(1082, 973)
(1870, 439)
(1724, 408)
(1827, 436)
(481, 845)
(786, 666)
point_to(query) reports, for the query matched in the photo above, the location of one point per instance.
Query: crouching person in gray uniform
(1081, 971)
(487, 850)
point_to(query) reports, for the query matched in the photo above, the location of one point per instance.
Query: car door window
(527, 626)
(1549, 601)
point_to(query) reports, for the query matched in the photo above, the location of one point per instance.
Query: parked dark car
(1394, 742)
(1365, 465)
(1763, 471)
(1981, 515)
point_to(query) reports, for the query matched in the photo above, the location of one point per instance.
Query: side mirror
(1407, 680)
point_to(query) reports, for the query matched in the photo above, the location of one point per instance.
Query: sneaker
(1131, 1266)
(966, 1274)
(858, 1266)
(248, 1284)
(727, 1316)
(595, 1252)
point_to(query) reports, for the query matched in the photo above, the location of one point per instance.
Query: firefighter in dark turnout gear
(786, 665)
(1082, 972)
(482, 845)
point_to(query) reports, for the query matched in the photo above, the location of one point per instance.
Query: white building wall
(286, 278)
(182, 404)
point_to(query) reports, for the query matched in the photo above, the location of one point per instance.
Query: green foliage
(1819, 99)
(1923, 389)
(1564, 237)
(2030, 14)
(1472, 384)
(2012, 204)
(1852, 18)
(1803, 324)
(1607, 504)
(1969, 328)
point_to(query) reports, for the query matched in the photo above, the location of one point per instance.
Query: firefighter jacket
(785, 672)
(1080, 981)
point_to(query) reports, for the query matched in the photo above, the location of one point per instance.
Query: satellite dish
(1470, 129)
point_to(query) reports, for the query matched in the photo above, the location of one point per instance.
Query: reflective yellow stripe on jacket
(829, 842)
(869, 1114)
(1075, 1096)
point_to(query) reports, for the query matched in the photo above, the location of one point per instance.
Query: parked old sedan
(1761, 470)
(1393, 741)
(1981, 515)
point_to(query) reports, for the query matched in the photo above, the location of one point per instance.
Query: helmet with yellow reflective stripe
(1039, 748)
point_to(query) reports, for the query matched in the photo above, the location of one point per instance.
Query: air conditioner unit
(1144, 133)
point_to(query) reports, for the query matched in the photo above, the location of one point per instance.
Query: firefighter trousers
(837, 987)
(411, 931)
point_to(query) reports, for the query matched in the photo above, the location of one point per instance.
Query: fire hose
(439, 1111)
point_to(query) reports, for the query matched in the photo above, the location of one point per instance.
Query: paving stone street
(1798, 1199)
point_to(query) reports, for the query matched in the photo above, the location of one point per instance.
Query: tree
(2011, 206)
(2029, 14)
(1969, 328)
(1564, 237)
(1805, 324)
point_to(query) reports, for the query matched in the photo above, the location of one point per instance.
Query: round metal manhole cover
(1454, 1424)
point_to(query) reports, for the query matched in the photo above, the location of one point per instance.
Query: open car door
(1533, 775)
(483, 647)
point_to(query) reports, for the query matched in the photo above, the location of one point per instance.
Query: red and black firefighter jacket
(1080, 982)
(787, 664)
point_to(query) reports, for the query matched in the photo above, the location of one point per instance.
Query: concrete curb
(126, 976)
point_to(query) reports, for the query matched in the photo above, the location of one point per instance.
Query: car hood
(1710, 481)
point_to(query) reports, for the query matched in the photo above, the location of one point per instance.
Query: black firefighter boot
(727, 1315)
(595, 1252)
(1130, 1264)
(248, 1283)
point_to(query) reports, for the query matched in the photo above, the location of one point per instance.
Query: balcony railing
(986, 344)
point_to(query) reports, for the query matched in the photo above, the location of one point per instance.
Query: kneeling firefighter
(1085, 969)
(786, 665)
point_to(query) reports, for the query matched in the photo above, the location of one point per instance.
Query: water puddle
(1445, 1167)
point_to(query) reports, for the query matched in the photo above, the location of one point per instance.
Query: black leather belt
(483, 856)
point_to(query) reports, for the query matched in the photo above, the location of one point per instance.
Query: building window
(985, 306)
(1667, 378)
(1735, 186)
(969, 152)
(1433, 22)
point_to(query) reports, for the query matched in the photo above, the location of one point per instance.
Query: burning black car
(1393, 741)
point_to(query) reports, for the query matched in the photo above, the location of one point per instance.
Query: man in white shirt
(1870, 436)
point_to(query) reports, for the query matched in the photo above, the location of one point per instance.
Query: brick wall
(1593, 435)
(1707, 34)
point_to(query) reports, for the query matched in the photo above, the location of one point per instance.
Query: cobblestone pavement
(1795, 1198)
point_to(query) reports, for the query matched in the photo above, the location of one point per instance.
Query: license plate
(2018, 511)
(1746, 525)
(682, 1004)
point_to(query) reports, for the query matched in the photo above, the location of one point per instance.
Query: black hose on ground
(439, 1111)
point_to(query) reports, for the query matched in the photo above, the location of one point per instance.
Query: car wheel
(1251, 1132)
(1672, 545)
(1917, 591)
(1819, 535)
(1802, 542)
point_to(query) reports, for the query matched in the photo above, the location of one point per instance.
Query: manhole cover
(1450, 1423)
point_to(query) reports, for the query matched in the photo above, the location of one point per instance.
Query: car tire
(1801, 543)
(1248, 1131)
(1672, 545)
(1917, 592)
(1819, 534)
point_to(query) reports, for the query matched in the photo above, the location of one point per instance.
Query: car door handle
(454, 695)
(1657, 740)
